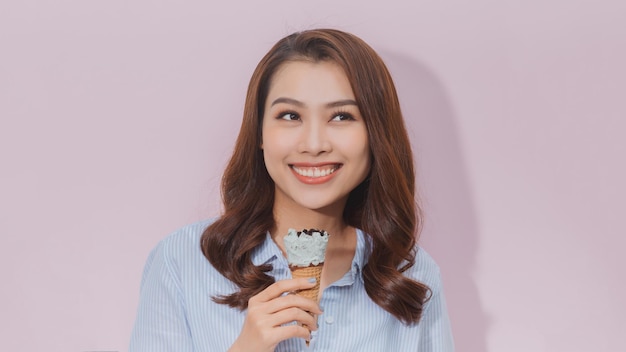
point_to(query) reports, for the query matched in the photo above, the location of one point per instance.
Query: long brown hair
(383, 205)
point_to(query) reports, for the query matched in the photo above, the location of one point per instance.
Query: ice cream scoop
(306, 248)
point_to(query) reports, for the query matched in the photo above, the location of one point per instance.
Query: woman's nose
(314, 138)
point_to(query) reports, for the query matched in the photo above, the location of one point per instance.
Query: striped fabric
(176, 313)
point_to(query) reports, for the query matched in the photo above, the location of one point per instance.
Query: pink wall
(117, 118)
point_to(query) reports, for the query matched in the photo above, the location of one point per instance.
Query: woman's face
(315, 143)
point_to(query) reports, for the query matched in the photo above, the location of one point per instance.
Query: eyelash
(347, 116)
(282, 114)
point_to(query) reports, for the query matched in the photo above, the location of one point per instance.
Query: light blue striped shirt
(176, 313)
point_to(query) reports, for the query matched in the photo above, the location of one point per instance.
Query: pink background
(117, 118)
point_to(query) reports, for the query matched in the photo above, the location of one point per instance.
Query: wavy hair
(383, 205)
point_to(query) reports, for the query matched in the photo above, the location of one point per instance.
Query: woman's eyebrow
(288, 101)
(338, 103)
(298, 103)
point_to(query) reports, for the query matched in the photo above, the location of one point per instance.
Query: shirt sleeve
(435, 331)
(161, 324)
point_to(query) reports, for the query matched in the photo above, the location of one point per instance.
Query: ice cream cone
(306, 253)
(314, 271)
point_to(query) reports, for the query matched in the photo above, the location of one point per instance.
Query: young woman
(322, 145)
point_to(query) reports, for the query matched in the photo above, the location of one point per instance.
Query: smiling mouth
(315, 171)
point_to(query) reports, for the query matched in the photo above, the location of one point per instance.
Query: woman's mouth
(315, 174)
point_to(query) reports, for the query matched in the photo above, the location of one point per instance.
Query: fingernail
(312, 280)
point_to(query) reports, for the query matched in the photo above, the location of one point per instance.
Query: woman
(322, 145)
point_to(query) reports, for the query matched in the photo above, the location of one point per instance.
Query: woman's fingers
(275, 315)
(279, 287)
(293, 314)
(289, 331)
(293, 300)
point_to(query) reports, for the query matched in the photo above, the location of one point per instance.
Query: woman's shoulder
(181, 244)
(425, 269)
(188, 233)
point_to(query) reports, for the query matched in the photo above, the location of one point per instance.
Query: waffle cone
(307, 272)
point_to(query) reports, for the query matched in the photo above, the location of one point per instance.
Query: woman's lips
(314, 174)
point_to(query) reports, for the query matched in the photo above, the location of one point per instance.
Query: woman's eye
(289, 116)
(342, 116)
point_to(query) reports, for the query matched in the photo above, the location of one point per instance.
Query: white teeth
(314, 171)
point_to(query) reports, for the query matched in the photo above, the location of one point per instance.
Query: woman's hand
(270, 309)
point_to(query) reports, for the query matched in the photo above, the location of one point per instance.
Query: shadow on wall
(450, 231)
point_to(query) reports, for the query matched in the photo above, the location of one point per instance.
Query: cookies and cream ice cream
(306, 248)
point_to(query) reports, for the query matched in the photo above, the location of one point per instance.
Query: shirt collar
(266, 252)
(361, 254)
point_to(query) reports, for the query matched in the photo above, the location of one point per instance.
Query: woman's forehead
(307, 81)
